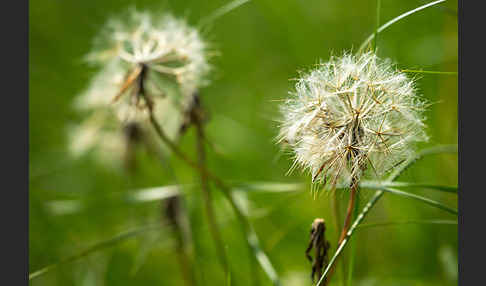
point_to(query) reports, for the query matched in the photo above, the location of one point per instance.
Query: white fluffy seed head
(351, 114)
(170, 48)
(174, 59)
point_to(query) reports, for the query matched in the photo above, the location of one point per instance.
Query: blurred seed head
(351, 113)
(144, 61)
(168, 46)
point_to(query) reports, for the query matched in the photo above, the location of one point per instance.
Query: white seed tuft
(351, 113)
(147, 63)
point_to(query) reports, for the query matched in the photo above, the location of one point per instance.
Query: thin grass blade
(376, 197)
(396, 19)
(395, 223)
(154, 194)
(353, 227)
(421, 199)
(425, 152)
(96, 247)
(378, 8)
(376, 185)
(254, 243)
(222, 11)
(271, 187)
(429, 72)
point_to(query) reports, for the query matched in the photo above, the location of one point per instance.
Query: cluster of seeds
(351, 113)
(146, 65)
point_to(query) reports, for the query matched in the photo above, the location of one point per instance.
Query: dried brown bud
(321, 248)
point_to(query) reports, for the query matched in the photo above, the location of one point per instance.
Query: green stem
(358, 220)
(378, 7)
(353, 247)
(378, 194)
(337, 222)
(248, 230)
(206, 194)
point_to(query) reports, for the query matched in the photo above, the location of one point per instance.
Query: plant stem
(174, 212)
(337, 220)
(349, 213)
(378, 194)
(249, 233)
(184, 259)
(347, 221)
(353, 247)
(358, 220)
(213, 225)
(378, 7)
(182, 237)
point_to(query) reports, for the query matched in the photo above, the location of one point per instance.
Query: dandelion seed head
(351, 114)
(147, 64)
(167, 45)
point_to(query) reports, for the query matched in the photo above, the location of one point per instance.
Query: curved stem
(349, 213)
(378, 6)
(378, 194)
(248, 230)
(347, 221)
(337, 219)
(213, 225)
(358, 220)
(183, 255)
(353, 247)
(182, 236)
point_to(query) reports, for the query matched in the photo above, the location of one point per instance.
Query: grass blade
(154, 194)
(429, 72)
(228, 194)
(222, 11)
(394, 223)
(425, 152)
(396, 19)
(421, 199)
(378, 8)
(376, 197)
(376, 185)
(271, 187)
(254, 244)
(96, 247)
(353, 227)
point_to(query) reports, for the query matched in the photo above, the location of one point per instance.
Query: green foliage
(95, 217)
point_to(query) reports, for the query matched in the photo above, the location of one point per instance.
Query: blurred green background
(262, 44)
